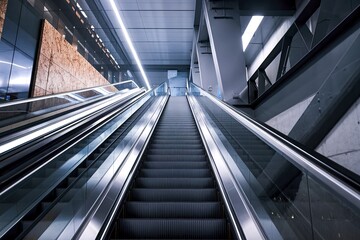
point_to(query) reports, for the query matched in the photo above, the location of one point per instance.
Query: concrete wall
(286, 120)
(3, 5)
(61, 68)
(342, 144)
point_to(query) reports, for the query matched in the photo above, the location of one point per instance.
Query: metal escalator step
(176, 135)
(173, 195)
(175, 165)
(173, 210)
(178, 157)
(175, 146)
(174, 182)
(167, 137)
(177, 151)
(173, 228)
(176, 132)
(180, 141)
(175, 173)
(179, 128)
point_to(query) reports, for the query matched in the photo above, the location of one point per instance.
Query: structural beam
(223, 27)
(335, 96)
(267, 8)
(207, 69)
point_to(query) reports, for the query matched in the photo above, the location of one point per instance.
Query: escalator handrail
(120, 182)
(298, 155)
(130, 103)
(235, 199)
(89, 127)
(22, 101)
(14, 143)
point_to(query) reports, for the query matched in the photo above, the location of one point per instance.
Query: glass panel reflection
(299, 205)
(20, 77)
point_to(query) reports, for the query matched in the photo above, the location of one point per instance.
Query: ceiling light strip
(250, 30)
(129, 42)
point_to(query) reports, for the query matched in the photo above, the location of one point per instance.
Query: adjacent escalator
(31, 224)
(174, 194)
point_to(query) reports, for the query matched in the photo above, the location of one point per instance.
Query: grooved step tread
(173, 210)
(177, 165)
(173, 195)
(175, 173)
(174, 182)
(173, 228)
(178, 157)
(177, 151)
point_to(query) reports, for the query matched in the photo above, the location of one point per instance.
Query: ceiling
(161, 31)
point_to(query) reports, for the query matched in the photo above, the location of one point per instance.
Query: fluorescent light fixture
(130, 44)
(250, 30)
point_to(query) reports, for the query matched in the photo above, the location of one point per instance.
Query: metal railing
(286, 168)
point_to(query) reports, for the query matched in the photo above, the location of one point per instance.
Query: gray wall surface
(342, 144)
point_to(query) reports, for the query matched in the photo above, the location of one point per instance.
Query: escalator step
(173, 228)
(174, 182)
(179, 157)
(175, 165)
(177, 151)
(173, 210)
(176, 132)
(185, 137)
(175, 141)
(177, 127)
(175, 146)
(175, 173)
(173, 195)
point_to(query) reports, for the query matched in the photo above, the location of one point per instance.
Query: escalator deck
(174, 195)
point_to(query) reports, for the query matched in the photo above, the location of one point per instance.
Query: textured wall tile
(42, 71)
(48, 42)
(38, 91)
(58, 80)
(61, 67)
(3, 6)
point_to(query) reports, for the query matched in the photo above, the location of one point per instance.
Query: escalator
(59, 198)
(185, 169)
(294, 193)
(174, 194)
(25, 152)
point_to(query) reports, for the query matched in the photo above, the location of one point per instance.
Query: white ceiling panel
(165, 56)
(169, 34)
(165, 47)
(157, 5)
(161, 30)
(151, 5)
(165, 62)
(135, 34)
(131, 19)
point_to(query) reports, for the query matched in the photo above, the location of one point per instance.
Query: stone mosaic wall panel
(61, 68)
(3, 5)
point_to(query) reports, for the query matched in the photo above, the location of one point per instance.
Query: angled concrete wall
(286, 120)
(342, 144)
